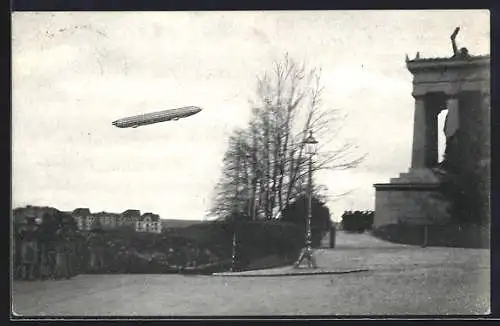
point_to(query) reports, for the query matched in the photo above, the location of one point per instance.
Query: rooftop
(132, 212)
(81, 211)
(154, 217)
(106, 214)
(438, 63)
(441, 59)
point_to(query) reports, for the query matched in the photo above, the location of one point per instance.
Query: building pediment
(450, 76)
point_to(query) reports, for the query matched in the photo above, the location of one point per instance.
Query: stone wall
(394, 205)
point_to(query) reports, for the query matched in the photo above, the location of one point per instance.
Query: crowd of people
(39, 254)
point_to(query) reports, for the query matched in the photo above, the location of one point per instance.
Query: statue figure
(463, 53)
(450, 154)
(451, 125)
(453, 42)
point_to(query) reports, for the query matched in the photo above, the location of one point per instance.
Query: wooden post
(332, 236)
(424, 244)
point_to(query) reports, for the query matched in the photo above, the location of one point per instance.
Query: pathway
(399, 280)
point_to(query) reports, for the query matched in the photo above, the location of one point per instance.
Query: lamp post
(307, 252)
(233, 256)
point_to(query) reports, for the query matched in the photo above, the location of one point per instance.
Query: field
(400, 280)
(179, 223)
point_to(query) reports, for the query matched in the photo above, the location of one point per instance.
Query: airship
(155, 117)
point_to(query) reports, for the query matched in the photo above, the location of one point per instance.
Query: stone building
(129, 217)
(461, 85)
(149, 222)
(87, 221)
(107, 221)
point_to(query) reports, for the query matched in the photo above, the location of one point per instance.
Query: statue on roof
(463, 53)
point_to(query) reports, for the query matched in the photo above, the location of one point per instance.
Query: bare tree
(271, 150)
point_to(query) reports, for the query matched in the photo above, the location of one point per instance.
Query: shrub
(296, 213)
(260, 239)
(358, 221)
(254, 239)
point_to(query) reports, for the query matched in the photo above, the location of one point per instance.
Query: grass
(438, 235)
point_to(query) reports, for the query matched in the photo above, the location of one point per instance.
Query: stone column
(453, 117)
(425, 133)
(451, 127)
(418, 157)
(431, 143)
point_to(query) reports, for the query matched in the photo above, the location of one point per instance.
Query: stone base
(413, 198)
(417, 176)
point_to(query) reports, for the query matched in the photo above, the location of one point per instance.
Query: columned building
(460, 85)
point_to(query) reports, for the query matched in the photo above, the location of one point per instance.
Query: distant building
(129, 217)
(85, 220)
(149, 222)
(107, 221)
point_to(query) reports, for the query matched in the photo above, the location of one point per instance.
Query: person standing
(67, 246)
(44, 262)
(29, 257)
(60, 268)
(51, 259)
(333, 233)
(92, 261)
(29, 250)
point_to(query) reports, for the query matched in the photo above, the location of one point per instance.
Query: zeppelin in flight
(149, 118)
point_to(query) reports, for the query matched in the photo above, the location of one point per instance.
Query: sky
(73, 73)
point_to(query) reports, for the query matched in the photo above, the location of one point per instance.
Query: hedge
(255, 240)
(179, 249)
(260, 239)
(200, 248)
(357, 221)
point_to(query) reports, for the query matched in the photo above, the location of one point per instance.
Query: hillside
(174, 224)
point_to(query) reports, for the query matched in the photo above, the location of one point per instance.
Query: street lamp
(307, 252)
(236, 216)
